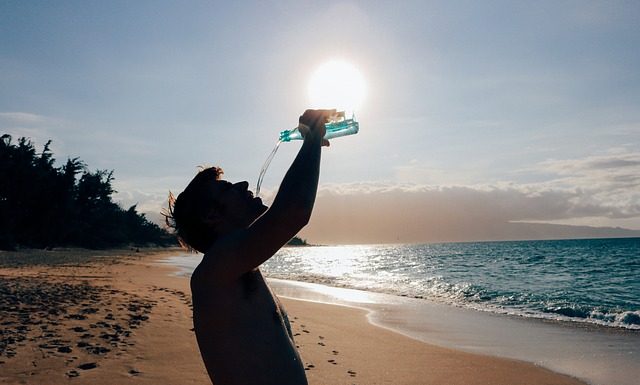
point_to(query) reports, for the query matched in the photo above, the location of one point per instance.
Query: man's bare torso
(244, 333)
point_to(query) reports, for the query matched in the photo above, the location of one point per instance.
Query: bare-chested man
(242, 329)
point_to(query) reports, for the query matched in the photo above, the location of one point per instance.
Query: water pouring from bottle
(334, 85)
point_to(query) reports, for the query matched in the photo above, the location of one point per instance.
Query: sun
(337, 84)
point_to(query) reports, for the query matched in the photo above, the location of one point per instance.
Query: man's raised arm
(294, 202)
(246, 249)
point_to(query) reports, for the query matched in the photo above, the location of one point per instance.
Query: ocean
(594, 281)
(572, 306)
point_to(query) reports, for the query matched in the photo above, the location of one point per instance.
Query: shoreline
(596, 354)
(375, 355)
(136, 309)
(369, 304)
(188, 262)
(504, 312)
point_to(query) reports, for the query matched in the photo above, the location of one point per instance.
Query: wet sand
(121, 317)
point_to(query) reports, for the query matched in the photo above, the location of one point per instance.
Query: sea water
(572, 306)
(595, 281)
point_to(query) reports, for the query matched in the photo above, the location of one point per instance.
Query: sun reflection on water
(331, 265)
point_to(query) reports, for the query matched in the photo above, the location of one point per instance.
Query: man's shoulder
(233, 255)
(206, 289)
(213, 277)
(204, 275)
(212, 268)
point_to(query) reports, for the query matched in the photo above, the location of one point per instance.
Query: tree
(43, 206)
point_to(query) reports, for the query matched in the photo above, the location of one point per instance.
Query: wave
(477, 298)
(585, 281)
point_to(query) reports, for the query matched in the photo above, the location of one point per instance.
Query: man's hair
(186, 213)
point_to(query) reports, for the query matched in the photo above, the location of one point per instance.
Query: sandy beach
(121, 317)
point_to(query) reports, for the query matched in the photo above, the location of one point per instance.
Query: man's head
(210, 207)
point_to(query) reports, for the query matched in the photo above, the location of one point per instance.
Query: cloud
(377, 213)
(513, 203)
(100, 148)
(38, 128)
(22, 118)
(604, 187)
(616, 162)
(600, 189)
(144, 201)
(149, 194)
(610, 180)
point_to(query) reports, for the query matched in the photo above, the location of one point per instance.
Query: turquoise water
(592, 281)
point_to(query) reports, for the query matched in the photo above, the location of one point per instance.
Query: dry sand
(92, 318)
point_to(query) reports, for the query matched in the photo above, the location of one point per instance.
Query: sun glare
(337, 84)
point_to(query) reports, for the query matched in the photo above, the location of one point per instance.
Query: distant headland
(297, 241)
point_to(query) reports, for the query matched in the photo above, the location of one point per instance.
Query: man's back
(243, 333)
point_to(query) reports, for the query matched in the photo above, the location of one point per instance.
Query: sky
(478, 115)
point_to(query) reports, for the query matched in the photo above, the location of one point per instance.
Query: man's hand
(312, 123)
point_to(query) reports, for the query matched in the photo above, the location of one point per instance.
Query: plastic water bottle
(335, 128)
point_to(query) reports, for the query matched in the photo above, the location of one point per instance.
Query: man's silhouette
(242, 329)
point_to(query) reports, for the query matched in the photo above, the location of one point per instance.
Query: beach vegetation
(297, 241)
(44, 206)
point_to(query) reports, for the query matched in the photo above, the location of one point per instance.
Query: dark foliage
(297, 241)
(46, 206)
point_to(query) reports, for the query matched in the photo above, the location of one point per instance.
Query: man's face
(238, 207)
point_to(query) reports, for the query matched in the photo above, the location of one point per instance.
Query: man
(242, 329)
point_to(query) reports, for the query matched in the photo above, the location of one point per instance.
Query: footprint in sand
(134, 372)
(88, 366)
